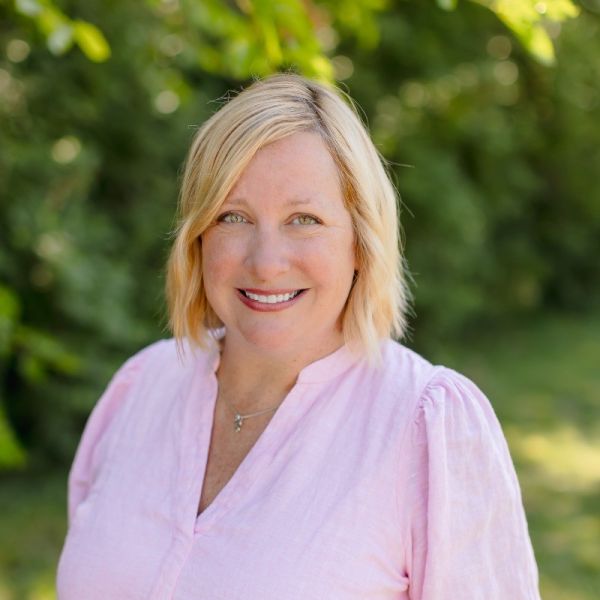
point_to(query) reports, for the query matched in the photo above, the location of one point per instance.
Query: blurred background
(488, 113)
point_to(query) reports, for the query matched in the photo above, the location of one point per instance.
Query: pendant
(238, 421)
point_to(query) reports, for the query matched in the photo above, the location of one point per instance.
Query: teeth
(272, 299)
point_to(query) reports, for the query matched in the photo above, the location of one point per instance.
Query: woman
(282, 445)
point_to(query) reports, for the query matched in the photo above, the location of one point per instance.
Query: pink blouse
(390, 483)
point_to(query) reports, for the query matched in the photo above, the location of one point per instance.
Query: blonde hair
(266, 111)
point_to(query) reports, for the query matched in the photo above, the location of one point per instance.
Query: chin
(269, 341)
(286, 341)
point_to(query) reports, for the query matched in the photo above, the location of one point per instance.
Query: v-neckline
(221, 502)
(200, 422)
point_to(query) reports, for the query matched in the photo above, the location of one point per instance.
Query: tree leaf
(91, 41)
(447, 4)
(540, 45)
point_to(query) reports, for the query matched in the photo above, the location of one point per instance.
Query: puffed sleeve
(468, 532)
(88, 456)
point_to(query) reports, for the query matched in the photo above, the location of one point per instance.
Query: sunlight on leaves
(43, 589)
(285, 33)
(552, 589)
(568, 458)
(447, 4)
(322, 68)
(530, 21)
(540, 44)
(60, 39)
(91, 41)
(61, 31)
(31, 8)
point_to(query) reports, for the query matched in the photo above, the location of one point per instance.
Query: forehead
(296, 170)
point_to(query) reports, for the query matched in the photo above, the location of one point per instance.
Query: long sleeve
(88, 457)
(468, 533)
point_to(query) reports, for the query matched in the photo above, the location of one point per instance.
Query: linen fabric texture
(389, 483)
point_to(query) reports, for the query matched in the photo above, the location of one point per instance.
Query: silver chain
(238, 419)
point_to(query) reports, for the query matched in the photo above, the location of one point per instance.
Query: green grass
(32, 529)
(543, 379)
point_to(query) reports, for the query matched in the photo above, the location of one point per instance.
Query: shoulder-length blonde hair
(266, 111)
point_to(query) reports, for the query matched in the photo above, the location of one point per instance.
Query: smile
(271, 298)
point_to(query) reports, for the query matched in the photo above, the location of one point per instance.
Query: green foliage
(83, 194)
(260, 36)
(493, 141)
(12, 454)
(254, 37)
(9, 315)
(500, 216)
(61, 32)
(533, 21)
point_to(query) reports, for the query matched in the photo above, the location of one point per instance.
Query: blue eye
(231, 218)
(306, 220)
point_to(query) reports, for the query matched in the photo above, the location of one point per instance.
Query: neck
(259, 379)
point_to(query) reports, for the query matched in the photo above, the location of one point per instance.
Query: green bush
(500, 199)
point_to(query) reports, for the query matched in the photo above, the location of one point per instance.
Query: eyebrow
(292, 202)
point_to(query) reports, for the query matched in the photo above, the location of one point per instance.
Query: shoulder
(404, 368)
(453, 401)
(146, 381)
(164, 359)
(440, 395)
(164, 350)
(153, 373)
(456, 426)
(404, 377)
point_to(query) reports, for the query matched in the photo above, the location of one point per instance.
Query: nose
(268, 255)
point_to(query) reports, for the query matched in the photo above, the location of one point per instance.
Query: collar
(321, 370)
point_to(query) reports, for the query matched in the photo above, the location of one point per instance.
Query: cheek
(218, 269)
(219, 257)
(332, 260)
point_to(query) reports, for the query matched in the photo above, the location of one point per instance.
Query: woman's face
(279, 260)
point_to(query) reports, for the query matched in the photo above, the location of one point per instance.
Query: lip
(277, 306)
(276, 292)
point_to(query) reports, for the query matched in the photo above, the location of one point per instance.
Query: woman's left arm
(468, 535)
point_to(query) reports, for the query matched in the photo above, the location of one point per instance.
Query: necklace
(238, 419)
